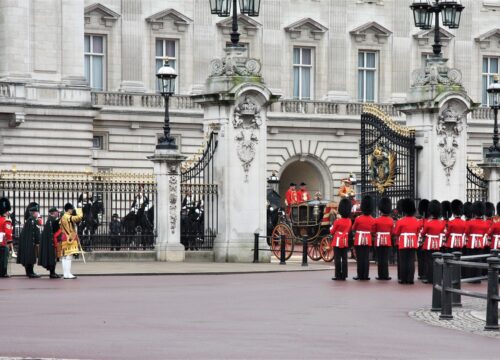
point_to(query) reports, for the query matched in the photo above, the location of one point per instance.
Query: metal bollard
(491, 303)
(256, 247)
(446, 308)
(436, 280)
(304, 251)
(456, 299)
(282, 250)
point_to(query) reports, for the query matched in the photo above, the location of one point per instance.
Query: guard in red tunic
(406, 231)
(384, 225)
(423, 206)
(291, 198)
(5, 236)
(303, 194)
(340, 239)
(445, 215)
(494, 232)
(477, 232)
(468, 215)
(455, 231)
(364, 227)
(431, 234)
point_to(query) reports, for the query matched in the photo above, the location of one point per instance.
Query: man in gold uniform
(346, 190)
(70, 241)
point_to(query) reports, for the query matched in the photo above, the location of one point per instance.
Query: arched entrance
(308, 170)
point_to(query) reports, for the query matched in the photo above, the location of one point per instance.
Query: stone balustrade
(148, 101)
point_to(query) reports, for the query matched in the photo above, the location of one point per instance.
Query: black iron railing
(477, 186)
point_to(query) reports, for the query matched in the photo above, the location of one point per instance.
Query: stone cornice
(424, 37)
(108, 16)
(244, 22)
(484, 40)
(379, 32)
(316, 29)
(180, 21)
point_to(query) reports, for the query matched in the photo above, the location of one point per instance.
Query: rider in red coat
(432, 236)
(340, 232)
(383, 228)
(364, 227)
(455, 233)
(407, 230)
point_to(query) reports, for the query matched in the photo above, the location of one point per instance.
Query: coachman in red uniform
(406, 231)
(291, 198)
(477, 232)
(423, 213)
(494, 232)
(455, 231)
(363, 228)
(384, 226)
(303, 194)
(432, 235)
(5, 236)
(340, 239)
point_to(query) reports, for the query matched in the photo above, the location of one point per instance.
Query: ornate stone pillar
(168, 178)
(492, 175)
(438, 108)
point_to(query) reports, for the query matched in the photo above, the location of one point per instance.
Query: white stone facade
(49, 115)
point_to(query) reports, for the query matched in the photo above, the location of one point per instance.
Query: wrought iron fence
(132, 197)
(477, 185)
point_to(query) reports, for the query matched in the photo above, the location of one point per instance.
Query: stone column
(72, 71)
(492, 174)
(168, 179)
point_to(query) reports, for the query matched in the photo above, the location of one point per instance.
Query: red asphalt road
(253, 316)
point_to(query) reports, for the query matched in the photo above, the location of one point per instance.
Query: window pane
(97, 68)
(494, 65)
(485, 65)
(170, 48)
(306, 57)
(87, 43)
(485, 93)
(296, 74)
(361, 89)
(87, 68)
(97, 45)
(296, 56)
(159, 48)
(370, 86)
(370, 60)
(306, 83)
(361, 59)
(172, 63)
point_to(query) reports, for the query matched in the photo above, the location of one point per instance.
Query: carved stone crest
(382, 165)
(172, 189)
(435, 73)
(231, 65)
(448, 129)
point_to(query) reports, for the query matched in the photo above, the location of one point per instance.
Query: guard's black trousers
(363, 261)
(407, 265)
(429, 266)
(4, 260)
(421, 263)
(383, 261)
(340, 255)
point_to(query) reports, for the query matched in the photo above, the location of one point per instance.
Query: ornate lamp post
(222, 8)
(166, 74)
(493, 153)
(273, 181)
(423, 11)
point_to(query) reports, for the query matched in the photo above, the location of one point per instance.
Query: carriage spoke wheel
(282, 229)
(326, 250)
(314, 251)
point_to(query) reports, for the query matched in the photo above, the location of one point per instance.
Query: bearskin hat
(457, 208)
(399, 210)
(345, 208)
(68, 206)
(446, 209)
(4, 206)
(468, 212)
(385, 206)
(423, 206)
(489, 209)
(434, 209)
(367, 205)
(478, 209)
(408, 207)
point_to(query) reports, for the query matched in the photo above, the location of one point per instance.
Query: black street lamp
(423, 11)
(166, 75)
(494, 90)
(223, 8)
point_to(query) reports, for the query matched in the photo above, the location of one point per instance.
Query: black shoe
(356, 278)
(401, 282)
(425, 281)
(382, 278)
(33, 276)
(410, 282)
(54, 276)
(336, 278)
(5, 276)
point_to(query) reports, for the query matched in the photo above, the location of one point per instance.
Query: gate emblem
(382, 165)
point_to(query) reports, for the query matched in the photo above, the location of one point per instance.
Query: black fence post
(446, 308)
(456, 299)
(436, 280)
(256, 247)
(304, 251)
(491, 301)
(282, 250)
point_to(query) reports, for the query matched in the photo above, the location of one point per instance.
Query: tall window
(166, 49)
(367, 76)
(302, 73)
(95, 61)
(490, 69)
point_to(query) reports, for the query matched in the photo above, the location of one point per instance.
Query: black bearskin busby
(408, 207)
(345, 208)
(446, 209)
(478, 209)
(468, 212)
(399, 210)
(423, 206)
(457, 208)
(68, 206)
(385, 206)
(4, 206)
(489, 209)
(367, 205)
(434, 209)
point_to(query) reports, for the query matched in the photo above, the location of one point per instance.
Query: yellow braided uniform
(68, 227)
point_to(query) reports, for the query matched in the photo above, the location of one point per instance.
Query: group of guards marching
(40, 243)
(471, 228)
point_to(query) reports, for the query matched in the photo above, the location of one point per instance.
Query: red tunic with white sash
(494, 235)
(340, 231)
(407, 230)
(384, 226)
(364, 226)
(5, 231)
(477, 232)
(455, 234)
(431, 234)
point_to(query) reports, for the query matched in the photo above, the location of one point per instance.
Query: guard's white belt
(430, 237)
(496, 241)
(474, 238)
(379, 236)
(454, 237)
(362, 234)
(338, 237)
(407, 239)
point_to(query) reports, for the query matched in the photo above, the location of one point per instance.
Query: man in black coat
(115, 230)
(30, 239)
(48, 252)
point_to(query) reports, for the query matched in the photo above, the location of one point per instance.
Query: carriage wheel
(282, 229)
(326, 250)
(314, 251)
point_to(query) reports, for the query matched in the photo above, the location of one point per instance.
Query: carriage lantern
(273, 181)
(494, 90)
(166, 75)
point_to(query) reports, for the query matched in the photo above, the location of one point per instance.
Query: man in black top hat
(30, 239)
(115, 229)
(48, 250)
